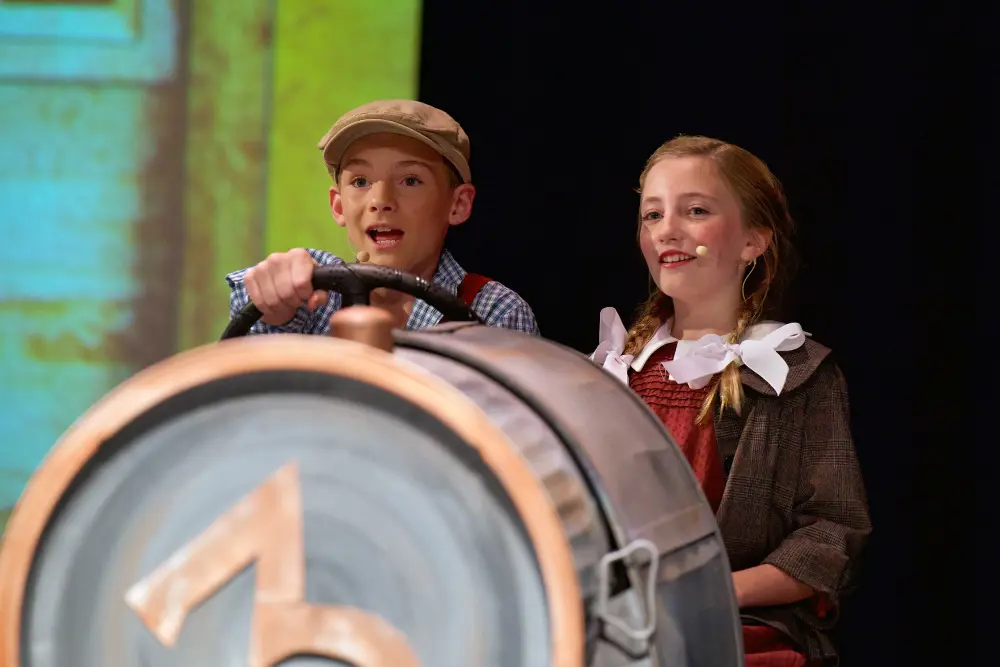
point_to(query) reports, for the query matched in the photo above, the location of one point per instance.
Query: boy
(401, 178)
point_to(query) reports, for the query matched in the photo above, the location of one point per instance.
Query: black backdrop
(879, 125)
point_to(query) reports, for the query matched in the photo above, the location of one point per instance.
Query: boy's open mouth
(384, 236)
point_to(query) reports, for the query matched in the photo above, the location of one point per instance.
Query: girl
(758, 408)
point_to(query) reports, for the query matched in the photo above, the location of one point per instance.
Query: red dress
(677, 406)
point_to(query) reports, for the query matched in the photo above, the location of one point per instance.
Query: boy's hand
(280, 284)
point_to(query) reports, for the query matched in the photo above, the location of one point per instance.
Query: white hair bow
(609, 352)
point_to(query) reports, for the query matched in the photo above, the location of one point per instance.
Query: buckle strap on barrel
(641, 559)
(636, 553)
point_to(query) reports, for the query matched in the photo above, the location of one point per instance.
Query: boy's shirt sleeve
(500, 306)
(304, 322)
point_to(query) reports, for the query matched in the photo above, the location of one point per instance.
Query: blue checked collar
(449, 276)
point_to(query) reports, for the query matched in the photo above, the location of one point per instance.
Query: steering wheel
(355, 283)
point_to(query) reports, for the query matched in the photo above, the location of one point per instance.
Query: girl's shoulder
(805, 362)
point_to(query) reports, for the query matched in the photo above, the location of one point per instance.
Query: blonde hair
(763, 206)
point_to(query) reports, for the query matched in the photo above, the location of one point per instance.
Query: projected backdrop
(148, 147)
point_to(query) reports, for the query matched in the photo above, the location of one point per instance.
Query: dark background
(881, 125)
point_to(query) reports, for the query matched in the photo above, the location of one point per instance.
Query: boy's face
(396, 198)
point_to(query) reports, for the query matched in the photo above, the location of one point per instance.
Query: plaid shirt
(496, 305)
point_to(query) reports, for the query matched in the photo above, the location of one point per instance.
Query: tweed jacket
(794, 495)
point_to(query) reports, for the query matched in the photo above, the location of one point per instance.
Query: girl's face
(685, 204)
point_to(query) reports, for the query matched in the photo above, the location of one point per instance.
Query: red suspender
(471, 284)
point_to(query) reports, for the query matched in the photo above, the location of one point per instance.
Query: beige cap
(407, 117)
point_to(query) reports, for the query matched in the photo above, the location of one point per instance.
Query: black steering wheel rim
(355, 283)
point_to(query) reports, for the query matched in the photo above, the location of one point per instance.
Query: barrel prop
(453, 497)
